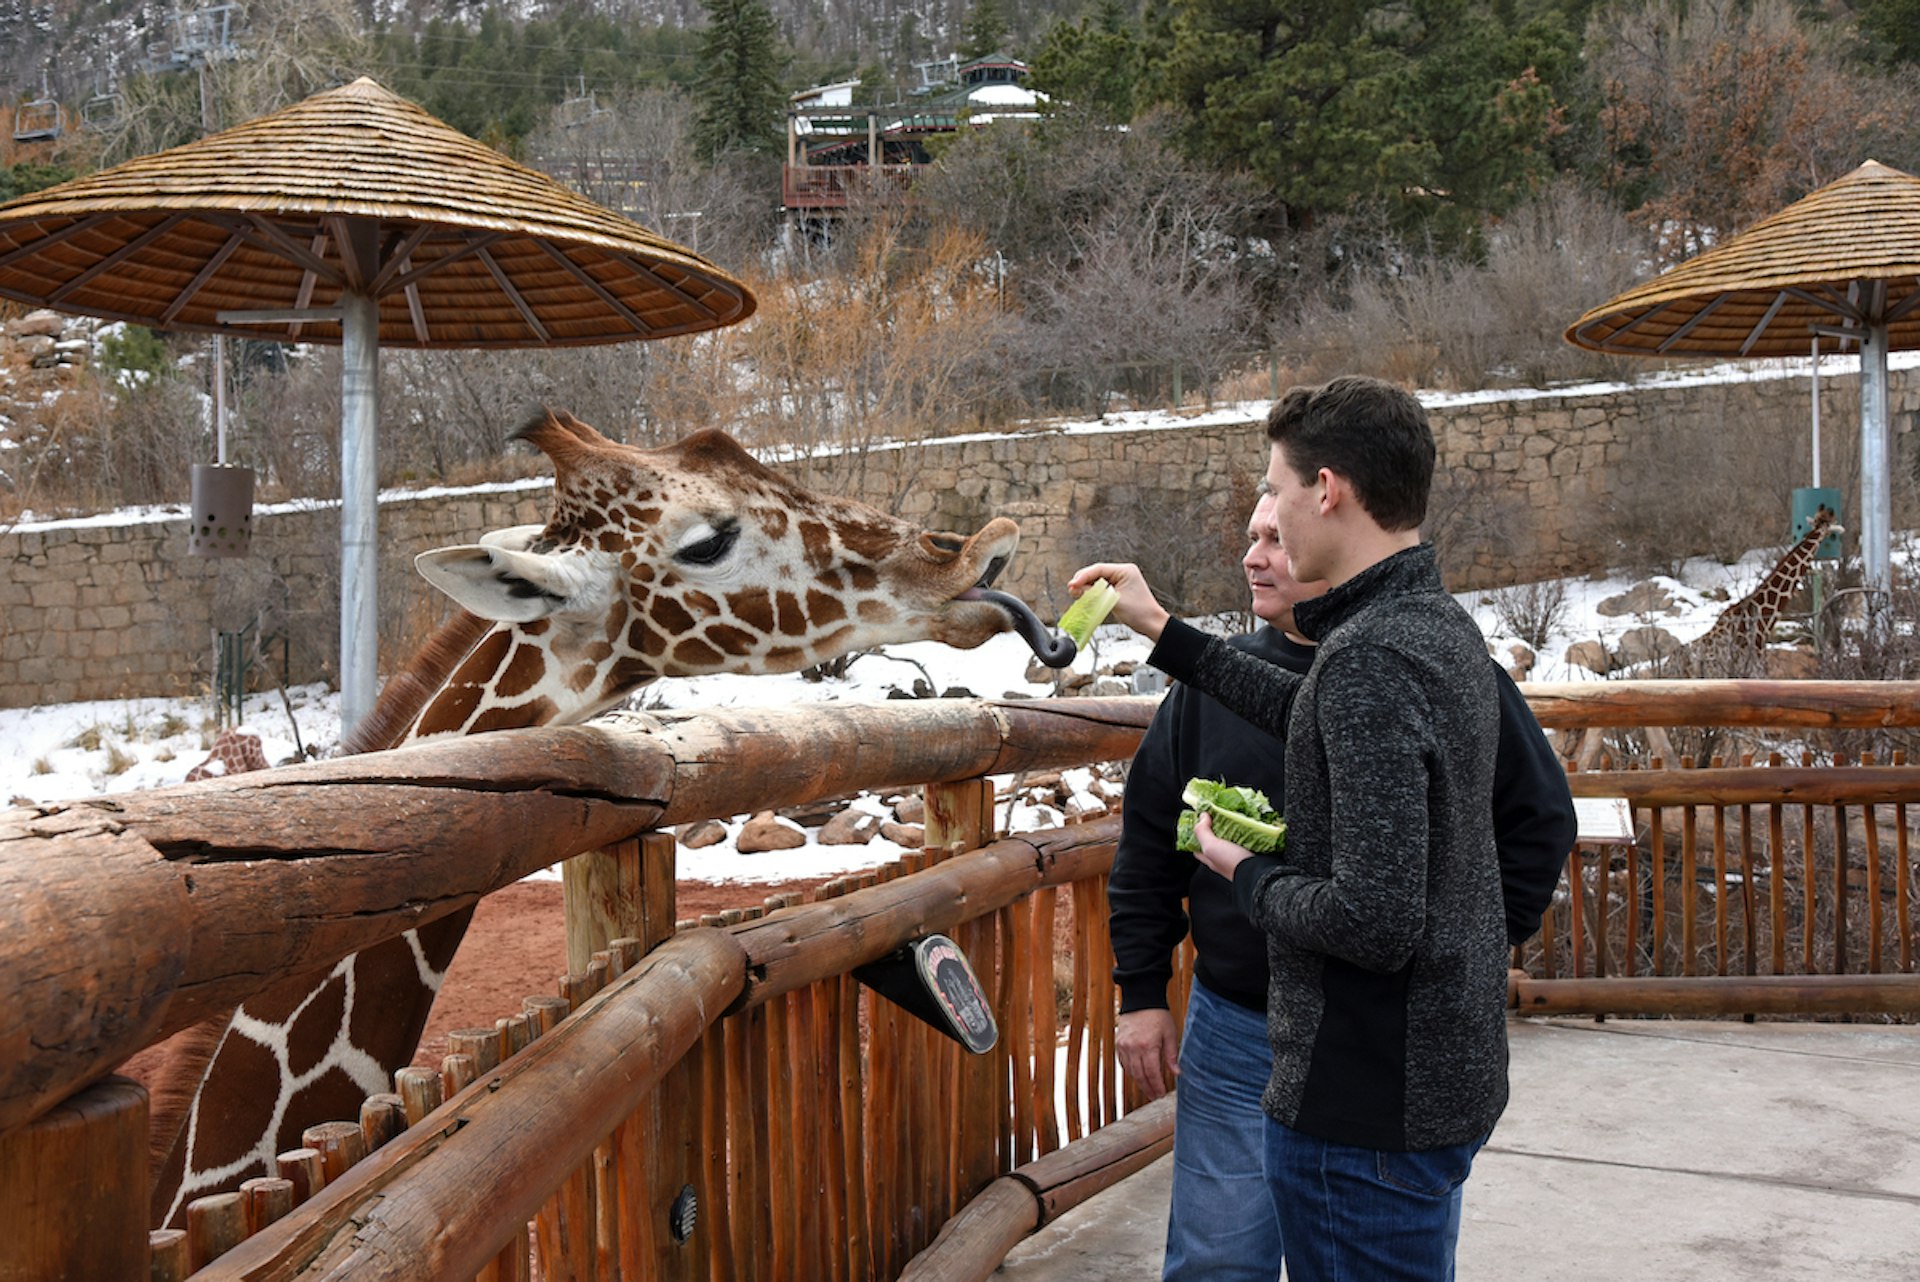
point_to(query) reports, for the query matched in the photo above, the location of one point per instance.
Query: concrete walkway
(1656, 1150)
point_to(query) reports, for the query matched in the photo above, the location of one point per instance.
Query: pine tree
(739, 94)
(986, 30)
(1093, 64)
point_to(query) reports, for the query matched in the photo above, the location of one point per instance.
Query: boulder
(912, 836)
(1642, 598)
(1523, 660)
(1591, 655)
(850, 828)
(767, 831)
(40, 324)
(1646, 644)
(1105, 687)
(1792, 664)
(910, 808)
(703, 833)
(37, 347)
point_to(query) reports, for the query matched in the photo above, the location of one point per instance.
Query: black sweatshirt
(1193, 736)
(1384, 914)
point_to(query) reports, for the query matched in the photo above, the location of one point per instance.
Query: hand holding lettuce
(1243, 816)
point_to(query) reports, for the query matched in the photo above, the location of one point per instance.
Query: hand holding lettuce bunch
(1243, 816)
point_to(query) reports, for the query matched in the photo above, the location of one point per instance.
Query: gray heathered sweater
(1385, 933)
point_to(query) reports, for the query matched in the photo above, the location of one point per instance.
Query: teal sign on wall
(1809, 499)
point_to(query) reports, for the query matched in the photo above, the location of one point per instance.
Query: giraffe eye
(711, 547)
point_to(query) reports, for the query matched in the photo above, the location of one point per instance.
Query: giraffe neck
(1749, 621)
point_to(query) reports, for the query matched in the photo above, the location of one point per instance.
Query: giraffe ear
(515, 586)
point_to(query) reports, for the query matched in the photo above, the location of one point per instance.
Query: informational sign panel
(1603, 821)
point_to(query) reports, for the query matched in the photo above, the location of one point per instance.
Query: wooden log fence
(721, 1099)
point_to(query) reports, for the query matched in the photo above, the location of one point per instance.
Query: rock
(765, 832)
(1642, 598)
(1105, 687)
(1643, 645)
(1523, 660)
(850, 828)
(40, 324)
(910, 808)
(1039, 673)
(1591, 655)
(1792, 664)
(704, 833)
(958, 692)
(36, 347)
(1083, 805)
(911, 836)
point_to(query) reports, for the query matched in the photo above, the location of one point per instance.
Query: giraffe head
(691, 559)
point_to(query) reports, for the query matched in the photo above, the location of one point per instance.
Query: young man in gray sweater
(1383, 914)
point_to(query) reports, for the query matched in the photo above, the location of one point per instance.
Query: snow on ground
(63, 751)
(73, 750)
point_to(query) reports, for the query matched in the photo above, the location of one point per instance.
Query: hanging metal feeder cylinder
(222, 522)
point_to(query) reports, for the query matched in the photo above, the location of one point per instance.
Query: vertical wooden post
(73, 1188)
(960, 816)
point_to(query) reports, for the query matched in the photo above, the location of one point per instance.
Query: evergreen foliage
(1092, 65)
(739, 90)
(27, 176)
(497, 77)
(1434, 109)
(986, 30)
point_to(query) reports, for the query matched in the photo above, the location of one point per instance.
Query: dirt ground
(517, 948)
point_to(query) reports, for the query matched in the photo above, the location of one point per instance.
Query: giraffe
(690, 559)
(1740, 633)
(1745, 626)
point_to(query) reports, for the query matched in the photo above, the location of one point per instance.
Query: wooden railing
(1767, 888)
(822, 1132)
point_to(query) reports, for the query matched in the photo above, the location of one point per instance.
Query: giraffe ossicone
(688, 559)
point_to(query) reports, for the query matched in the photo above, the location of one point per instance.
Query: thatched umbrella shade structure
(354, 217)
(1841, 265)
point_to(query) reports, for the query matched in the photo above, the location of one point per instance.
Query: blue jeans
(1366, 1215)
(1221, 1225)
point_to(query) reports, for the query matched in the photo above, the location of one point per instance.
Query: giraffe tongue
(1054, 651)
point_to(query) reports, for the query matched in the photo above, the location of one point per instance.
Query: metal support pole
(359, 507)
(1876, 475)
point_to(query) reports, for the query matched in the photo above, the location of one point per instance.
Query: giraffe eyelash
(710, 547)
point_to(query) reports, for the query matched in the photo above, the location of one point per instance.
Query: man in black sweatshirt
(1384, 917)
(1221, 1224)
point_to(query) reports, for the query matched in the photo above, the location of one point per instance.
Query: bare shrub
(1427, 321)
(1188, 545)
(1472, 520)
(1710, 484)
(1534, 612)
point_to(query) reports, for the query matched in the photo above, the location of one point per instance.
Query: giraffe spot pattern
(316, 1027)
(693, 653)
(732, 640)
(753, 608)
(672, 617)
(872, 611)
(523, 672)
(793, 620)
(816, 541)
(532, 713)
(824, 608)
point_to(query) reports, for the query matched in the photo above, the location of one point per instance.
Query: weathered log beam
(1755, 785)
(1704, 995)
(140, 914)
(440, 1200)
(790, 949)
(1834, 705)
(973, 1244)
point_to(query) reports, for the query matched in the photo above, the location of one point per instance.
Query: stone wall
(92, 610)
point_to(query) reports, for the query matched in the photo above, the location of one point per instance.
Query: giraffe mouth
(1054, 651)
